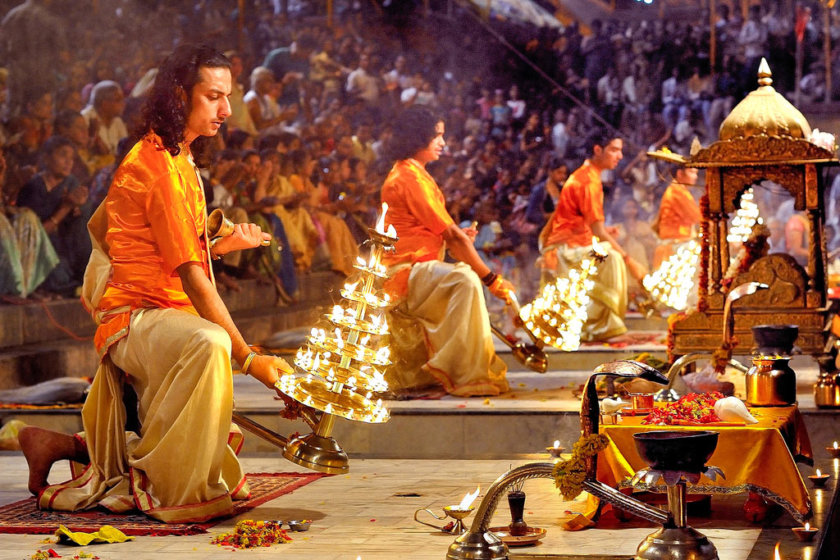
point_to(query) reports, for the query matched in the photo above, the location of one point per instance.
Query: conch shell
(732, 409)
(609, 406)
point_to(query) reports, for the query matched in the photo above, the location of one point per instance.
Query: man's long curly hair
(413, 129)
(167, 108)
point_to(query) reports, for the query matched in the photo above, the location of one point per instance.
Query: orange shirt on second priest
(417, 210)
(581, 204)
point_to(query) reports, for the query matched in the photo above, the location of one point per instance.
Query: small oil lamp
(834, 451)
(555, 450)
(462, 510)
(806, 533)
(819, 479)
(458, 513)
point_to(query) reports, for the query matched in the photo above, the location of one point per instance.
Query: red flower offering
(694, 408)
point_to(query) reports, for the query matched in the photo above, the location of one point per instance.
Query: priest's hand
(244, 236)
(268, 369)
(502, 289)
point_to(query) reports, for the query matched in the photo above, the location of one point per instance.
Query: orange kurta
(581, 204)
(417, 210)
(182, 467)
(154, 198)
(678, 213)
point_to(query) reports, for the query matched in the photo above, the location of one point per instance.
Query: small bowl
(299, 525)
(833, 451)
(803, 534)
(554, 451)
(818, 481)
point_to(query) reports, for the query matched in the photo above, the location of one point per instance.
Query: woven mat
(25, 517)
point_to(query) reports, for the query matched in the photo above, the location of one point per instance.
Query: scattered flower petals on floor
(253, 534)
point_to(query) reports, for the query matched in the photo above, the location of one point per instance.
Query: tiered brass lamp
(340, 370)
(557, 315)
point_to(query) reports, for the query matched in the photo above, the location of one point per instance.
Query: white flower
(824, 140)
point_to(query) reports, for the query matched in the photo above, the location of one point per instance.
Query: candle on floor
(806, 533)
(819, 479)
(834, 451)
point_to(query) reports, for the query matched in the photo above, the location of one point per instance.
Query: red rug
(25, 517)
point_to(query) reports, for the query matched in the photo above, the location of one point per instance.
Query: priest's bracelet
(247, 363)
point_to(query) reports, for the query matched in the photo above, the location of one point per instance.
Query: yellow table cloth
(759, 458)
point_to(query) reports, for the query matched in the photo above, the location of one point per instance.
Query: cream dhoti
(441, 333)
(183, 466)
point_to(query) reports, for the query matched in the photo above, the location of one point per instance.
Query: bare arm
(461, 248)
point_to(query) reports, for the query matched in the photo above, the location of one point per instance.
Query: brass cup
(803, 534)
(833, 451)
(642, 401)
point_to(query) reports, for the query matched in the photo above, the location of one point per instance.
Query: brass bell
(218, 225)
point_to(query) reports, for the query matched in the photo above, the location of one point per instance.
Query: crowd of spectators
(305, 152)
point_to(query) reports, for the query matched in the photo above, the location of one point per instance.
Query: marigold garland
(252, 534)
(671, 341)
(569, 474)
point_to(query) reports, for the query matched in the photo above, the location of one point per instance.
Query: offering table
(759, 458)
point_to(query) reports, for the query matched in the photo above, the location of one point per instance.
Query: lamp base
(477, 546)
(318, 453)
(676, 543)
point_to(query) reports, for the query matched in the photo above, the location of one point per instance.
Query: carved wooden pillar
(816, 247)
(718, 239)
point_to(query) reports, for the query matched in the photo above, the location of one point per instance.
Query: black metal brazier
(671, 450)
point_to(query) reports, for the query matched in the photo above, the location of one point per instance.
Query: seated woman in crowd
(26, 254)
(61, 204)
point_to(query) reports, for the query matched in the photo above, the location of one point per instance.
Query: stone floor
(362, 515)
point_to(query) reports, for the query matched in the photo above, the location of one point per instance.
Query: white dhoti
(441, 334)
(607, 299)
(183, 467)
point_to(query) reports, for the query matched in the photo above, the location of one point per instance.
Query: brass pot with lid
(771, 382)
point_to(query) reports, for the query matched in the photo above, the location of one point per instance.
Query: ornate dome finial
(765, 76)
(764, 112)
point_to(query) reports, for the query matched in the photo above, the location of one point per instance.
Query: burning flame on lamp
(673, 282)
(777, 556)
(380, 224)
(468, 500)
(745, 218)
(558, 313)
(596, 246)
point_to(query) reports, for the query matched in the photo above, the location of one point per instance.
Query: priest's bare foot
(42, 448)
